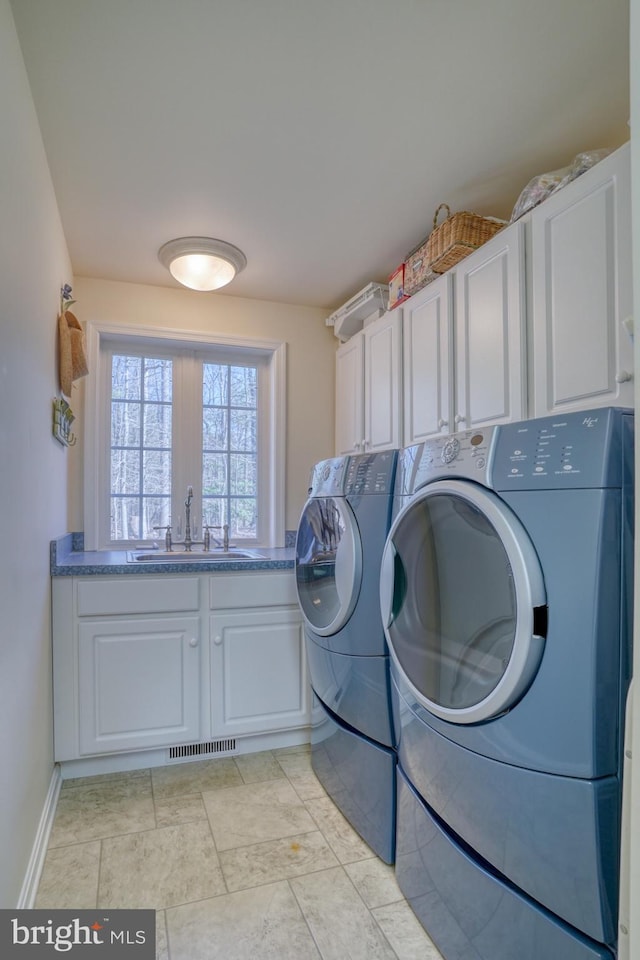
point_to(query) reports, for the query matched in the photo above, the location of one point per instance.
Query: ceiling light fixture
(202, 263)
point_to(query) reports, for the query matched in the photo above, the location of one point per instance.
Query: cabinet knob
(217, 639)
(459, 418)
(623, 376)
(193, 642)
(442, 424)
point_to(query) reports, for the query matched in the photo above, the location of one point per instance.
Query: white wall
(311, 348)
(33, 467)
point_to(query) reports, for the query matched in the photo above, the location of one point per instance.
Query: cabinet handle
(217, 639)
(193, 642)
(459, 418)
(623, 376)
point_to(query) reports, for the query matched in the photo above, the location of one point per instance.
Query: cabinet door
(349, 396)
(427, 346)
(582, 291)
(383, 383)
(490, 356)
(138, 683)
(258, 672)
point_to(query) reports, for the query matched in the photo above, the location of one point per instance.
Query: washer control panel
(327, 477)
(371, 473)
(464, 455)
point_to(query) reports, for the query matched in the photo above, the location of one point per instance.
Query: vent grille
(195, 750)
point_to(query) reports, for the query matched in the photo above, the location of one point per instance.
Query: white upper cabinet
(464, 343)
(368, 388)
(490, 347)
(427, 345)
(350, 396)
(582, 292)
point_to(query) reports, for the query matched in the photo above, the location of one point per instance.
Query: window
(172, 414)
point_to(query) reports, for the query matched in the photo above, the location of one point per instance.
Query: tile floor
(243, 858)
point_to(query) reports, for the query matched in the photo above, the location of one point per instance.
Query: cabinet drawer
(137, 595)
(252, 590)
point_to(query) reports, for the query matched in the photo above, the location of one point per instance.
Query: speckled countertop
(70, 559)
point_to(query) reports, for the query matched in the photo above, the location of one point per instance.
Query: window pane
(214, 474)
(156, 476)
(156, 513)
(141, 445)
(157, 425)
(213, 510)
(214, 428)
(125, 518)
(215, 384)
(243, 474)
(125, 377)
(243, 386)
(125, 471)
(125, 424)
(157, 379)
(244, 518)
(243, 430)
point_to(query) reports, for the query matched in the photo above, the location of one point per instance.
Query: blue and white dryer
(506, 595)
(341, 536)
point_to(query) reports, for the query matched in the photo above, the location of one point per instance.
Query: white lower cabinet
(259, 681)
(258, 674)
(138, 683)
(148, 662)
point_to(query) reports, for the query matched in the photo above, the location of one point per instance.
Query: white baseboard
(36, 860)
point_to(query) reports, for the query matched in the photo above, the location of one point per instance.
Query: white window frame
(272, 420)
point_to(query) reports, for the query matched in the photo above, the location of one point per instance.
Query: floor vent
(208, 749)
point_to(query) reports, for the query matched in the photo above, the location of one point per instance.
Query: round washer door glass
(328, 563)
(463, 601)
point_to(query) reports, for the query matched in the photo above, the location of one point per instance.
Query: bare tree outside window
(141, 438)
(230, 448)
(142, 444)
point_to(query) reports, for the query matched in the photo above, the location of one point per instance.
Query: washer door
(328, 564)
(463, 601)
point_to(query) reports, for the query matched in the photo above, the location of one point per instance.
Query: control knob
(450, 450)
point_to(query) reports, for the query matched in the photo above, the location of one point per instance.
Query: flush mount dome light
(202, 263)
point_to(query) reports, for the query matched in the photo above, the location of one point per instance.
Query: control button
(476, 439)
(517, 453)
(567, 466)
(514, 470)
(539, 469)
(480, 462)
(450, 450)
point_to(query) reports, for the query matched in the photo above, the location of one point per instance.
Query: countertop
(70, 559)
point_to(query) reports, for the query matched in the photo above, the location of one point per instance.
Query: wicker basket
(456, 237)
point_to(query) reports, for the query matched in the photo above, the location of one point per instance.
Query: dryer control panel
(577, 450)
(462, 455)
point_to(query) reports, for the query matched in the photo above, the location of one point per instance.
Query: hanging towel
(73, 357)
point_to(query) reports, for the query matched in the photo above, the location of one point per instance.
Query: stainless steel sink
(194, 556)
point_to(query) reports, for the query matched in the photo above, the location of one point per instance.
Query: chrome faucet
(224, 543)
(187, 519)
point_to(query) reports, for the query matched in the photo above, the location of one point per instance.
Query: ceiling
(319, 137)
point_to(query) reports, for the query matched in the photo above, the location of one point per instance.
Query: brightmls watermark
(80, 934)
